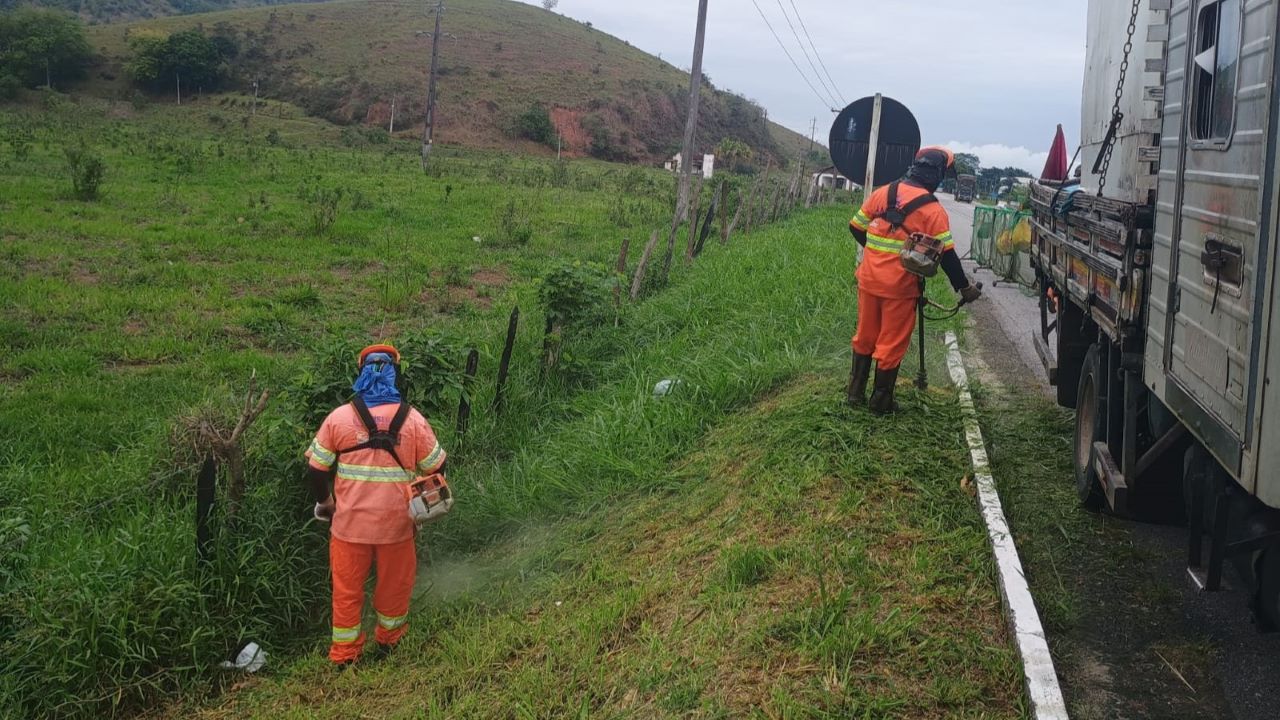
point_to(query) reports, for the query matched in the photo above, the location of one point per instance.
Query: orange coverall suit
(371, 522)
(887, 293)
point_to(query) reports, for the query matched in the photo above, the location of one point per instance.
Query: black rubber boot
(882, 402)
(858, 376)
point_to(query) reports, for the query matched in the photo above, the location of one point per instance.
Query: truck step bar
(1046, 358)
(1113, 483)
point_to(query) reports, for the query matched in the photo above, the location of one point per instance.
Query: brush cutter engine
(921, 255)
(429, 499)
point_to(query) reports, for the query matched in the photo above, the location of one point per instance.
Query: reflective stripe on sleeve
(344, 636)
(433, 461)
(861, 221)
(321, 455)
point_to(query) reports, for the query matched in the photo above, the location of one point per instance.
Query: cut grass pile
(802, 561)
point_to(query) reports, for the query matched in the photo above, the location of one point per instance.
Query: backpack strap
(380, 439)
(897, 216)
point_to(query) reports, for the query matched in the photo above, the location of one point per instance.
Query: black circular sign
(851, 139)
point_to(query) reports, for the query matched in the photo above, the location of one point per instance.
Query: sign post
(873, 148)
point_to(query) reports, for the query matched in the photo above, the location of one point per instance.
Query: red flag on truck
(1055, 168)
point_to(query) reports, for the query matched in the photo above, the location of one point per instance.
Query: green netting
(1001, 240)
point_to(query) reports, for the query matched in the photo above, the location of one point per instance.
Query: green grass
(799, 562)
(201, 266)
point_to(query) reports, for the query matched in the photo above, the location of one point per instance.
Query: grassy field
(221, 249)
(797, 564)
(348, 60)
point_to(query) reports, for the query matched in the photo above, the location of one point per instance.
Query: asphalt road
(1246, 663)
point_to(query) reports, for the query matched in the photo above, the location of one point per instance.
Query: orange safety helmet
(372, 349)
(932, 151)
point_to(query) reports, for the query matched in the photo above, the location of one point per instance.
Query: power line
(794, 64)
(805, 50)
(838, 94)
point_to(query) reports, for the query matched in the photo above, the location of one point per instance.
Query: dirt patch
(568, 122)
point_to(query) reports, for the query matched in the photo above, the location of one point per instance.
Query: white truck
(1158, 279)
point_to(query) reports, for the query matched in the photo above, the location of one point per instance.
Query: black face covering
(928, 170)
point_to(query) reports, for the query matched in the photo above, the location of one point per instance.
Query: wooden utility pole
(391, 126)
(428, 130)
(691, 123)
(873, 150)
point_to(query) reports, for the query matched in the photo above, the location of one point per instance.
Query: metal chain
(1117, 116)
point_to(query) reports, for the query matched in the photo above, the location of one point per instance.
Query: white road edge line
(1037, 664)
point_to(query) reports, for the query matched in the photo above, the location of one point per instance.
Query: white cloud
(996, 155)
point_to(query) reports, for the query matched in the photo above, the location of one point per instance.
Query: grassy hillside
(347, 61)
(99, 11)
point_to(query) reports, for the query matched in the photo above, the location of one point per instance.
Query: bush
(10, 86)
(325, 203)
(514, 224)
(87, 171)
(535, 124)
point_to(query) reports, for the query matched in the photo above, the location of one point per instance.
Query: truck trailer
(1158, 285)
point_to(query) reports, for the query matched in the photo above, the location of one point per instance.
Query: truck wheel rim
(1086, 418)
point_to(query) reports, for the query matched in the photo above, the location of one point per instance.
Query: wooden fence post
(706, 226)
(504, 366)
(694, 217)
(464, 403)
(206, 496)
(638, 281)
(724, 212)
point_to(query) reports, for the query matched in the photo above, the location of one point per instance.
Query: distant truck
(966, 188)
(1158, 282)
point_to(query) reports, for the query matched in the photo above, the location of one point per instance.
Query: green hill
(348, 61)
(96, 11)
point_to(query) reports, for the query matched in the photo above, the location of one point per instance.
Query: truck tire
(1088, 405)
(1269, 589)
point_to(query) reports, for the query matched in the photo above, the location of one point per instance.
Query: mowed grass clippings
(802, 563)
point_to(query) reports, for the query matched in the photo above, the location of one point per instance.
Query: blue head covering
(377, 382)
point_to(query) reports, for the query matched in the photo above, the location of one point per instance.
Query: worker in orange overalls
(888, 294)
(371, 449)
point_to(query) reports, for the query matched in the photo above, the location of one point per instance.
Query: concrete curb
(1037, 664)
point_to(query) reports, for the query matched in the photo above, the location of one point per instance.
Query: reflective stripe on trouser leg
(349, 565)
(397, 571)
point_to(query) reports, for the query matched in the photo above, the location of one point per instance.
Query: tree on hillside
(184, 58)
(39, 47)
(535, 124)
(549, 5)
(967, 164)
(733, 153)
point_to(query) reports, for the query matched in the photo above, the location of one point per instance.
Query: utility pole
(254, 111)
(177, 79)
(429, 130)
(691, 124)
(391, 127)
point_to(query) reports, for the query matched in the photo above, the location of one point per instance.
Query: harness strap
(379, 439)
(897, 216)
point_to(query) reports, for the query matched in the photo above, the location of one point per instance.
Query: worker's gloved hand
(970, 293)
(324, 511)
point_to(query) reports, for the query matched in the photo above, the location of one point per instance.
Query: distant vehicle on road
(1159, 285)
(966, 188)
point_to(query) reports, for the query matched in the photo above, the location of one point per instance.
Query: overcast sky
(993, 77)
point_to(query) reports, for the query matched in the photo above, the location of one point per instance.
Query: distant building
(707, 166)
(830, 179)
